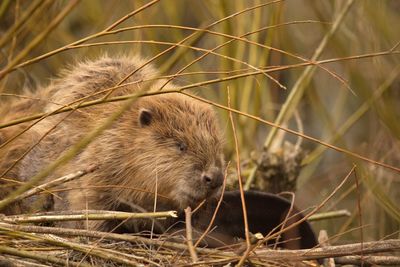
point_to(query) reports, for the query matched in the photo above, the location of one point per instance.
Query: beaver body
(168, 140)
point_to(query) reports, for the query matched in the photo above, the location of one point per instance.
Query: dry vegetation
(324, 71)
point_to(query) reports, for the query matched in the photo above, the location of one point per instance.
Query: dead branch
(332, 251)
(374, 260)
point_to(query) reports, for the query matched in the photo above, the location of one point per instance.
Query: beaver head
(173, 141)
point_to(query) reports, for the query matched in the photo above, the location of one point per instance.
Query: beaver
(169, 140)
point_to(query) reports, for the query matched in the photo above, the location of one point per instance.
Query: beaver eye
(181, 146)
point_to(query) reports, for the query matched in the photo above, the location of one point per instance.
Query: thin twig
(189, 234)
(239, 177)
(53, 183)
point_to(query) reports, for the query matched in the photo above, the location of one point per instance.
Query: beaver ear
(145, 117)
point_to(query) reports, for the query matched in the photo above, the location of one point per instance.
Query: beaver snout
(213, 178)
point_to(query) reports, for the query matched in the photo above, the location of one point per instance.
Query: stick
(97, 215)
(331, 251)
(189, 236)
(374, 260)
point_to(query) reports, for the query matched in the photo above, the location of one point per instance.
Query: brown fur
(11, 151)
(142, 146)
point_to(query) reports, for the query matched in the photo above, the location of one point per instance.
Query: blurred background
(328, 69)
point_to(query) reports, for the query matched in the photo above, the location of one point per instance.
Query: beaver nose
(213, 179)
